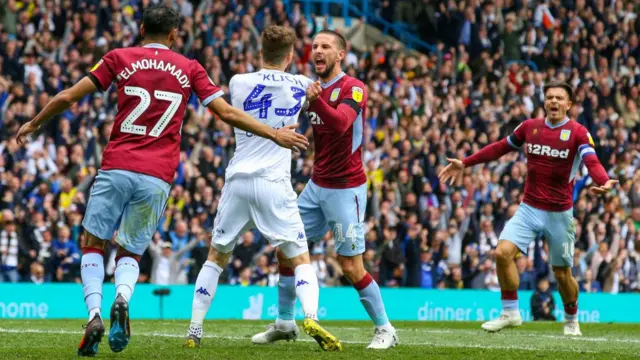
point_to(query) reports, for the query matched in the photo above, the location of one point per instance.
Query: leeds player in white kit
(257, 192)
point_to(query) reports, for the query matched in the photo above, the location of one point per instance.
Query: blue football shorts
(342, 210)
(557, 227)
(129, 202)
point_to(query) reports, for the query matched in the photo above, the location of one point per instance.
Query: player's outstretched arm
(598, 174)
(488, 153)
(61, 102)
(285, 137)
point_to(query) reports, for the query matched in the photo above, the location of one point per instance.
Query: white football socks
(206, 286)
(126, 276)
(92, 273)
(307, 290)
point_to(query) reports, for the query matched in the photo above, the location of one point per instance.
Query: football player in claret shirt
(257, 190)
(140, 160)
(555, 147)
(336, 196)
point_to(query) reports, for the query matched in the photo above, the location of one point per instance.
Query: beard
(327, 70)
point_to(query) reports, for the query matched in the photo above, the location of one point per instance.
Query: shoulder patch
(591, 142)
(357, 93)
(97, 65)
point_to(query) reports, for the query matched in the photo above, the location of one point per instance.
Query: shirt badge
(334, 94)
(97, 65)
(565, 135)
(357, 93)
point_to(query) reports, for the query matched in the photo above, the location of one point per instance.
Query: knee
(562, 274)
(504, 254)
(219, 258)
(352, 268)
(92, 242)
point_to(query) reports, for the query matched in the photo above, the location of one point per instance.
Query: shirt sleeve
(585, 144)
(355, 96)
(588, 155)
(518, 136)
(104, 72)
(203, 86)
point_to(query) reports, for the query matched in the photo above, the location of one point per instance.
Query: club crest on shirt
(334, 94)
(97, 65)
(357, 93)
(565, 135)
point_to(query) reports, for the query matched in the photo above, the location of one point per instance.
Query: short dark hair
(277, 42)
(342, 42)
(561, 85)
(160, 20)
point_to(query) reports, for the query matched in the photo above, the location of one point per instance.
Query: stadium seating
(479, 74)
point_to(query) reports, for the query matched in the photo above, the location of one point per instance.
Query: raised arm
(61, 102)
(488, 153)
(337, 120)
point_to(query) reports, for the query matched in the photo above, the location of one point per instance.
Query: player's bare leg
(509, 281)
(568, 288)
(385, 335)
(92, 273)
(206, 285)
(285, 327)
(126, 276)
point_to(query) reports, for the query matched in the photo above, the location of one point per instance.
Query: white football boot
(273, 334)
(572, 328)
(508, 319)
(384, 338)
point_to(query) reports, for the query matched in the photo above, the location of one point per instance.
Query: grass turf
(58, 339)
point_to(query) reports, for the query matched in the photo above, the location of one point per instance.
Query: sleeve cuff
(96, 82)
(210, 98)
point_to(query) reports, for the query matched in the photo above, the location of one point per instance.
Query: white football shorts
(269, 206)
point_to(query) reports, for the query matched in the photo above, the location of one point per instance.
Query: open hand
(451, 172)
(601, 190)
(287, 137)
(26, 129)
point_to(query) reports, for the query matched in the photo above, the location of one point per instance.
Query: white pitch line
(240, 338)
(479, 332)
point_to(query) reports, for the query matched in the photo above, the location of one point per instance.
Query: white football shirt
(275, 98)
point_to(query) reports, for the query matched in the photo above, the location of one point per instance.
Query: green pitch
(58, 339)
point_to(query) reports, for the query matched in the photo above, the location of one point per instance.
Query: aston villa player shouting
(555, 148)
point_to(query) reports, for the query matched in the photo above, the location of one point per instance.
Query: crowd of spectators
(484, 76)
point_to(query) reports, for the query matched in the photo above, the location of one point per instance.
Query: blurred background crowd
(484, 76)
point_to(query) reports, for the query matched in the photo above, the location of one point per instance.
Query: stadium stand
(481, 75)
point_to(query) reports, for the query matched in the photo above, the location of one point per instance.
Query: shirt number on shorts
(351, 232)
(127, 125)
(254, 101)
(568, 249)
